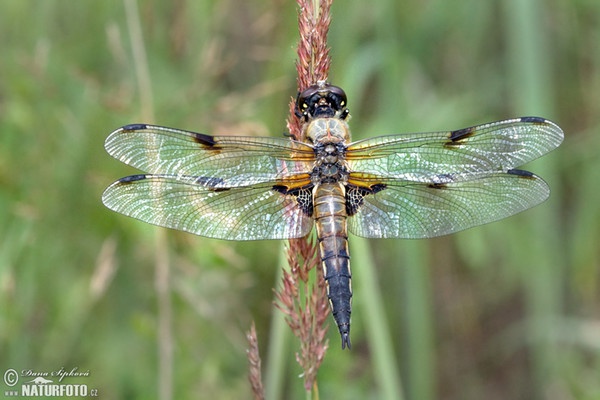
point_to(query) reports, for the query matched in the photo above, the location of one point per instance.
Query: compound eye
(301, 105)
(305, 97)
(339, 95)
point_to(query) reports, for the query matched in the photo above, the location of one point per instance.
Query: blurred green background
(506, 311)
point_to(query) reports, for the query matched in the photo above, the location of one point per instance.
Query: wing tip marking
(132, 178)
(534, 120)
(134, 127)
(521, 173)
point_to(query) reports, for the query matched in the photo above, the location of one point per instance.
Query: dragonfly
(408, 185)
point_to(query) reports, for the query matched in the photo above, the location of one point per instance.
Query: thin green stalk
(278, 341)
(369, 303)
(531, 93)
(418, 323)
(162, 265)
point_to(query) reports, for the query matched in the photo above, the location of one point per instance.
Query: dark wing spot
(459, 136)
(534, 120)
(134, 127)
(212, 183)
(133, 178)
(441, 181)
(303, 197)
(435, 185)
(521, 173)
(205, 140)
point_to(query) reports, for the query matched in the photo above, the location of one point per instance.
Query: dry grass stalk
(313, 54)
(254, 364)
(305, 307)
(304, 303)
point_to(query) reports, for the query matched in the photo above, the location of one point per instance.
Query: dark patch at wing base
(302, 195)
(355, 196)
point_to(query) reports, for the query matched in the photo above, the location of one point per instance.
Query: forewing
(232, 160)
(406, 209)
(422, 157)
(189, 204)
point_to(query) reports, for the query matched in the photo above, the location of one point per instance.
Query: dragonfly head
(322, 101)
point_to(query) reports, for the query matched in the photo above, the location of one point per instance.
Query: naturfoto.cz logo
(42, 383)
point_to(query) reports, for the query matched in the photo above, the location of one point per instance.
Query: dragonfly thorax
(330, 164)
(327, 130)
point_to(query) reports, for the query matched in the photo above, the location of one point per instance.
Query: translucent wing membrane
(407, 186)
(191, 204)
(406, 209)
(433, 184)
(234, 161)
(423, 157)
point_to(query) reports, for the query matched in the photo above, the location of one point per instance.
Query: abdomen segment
(330, 217)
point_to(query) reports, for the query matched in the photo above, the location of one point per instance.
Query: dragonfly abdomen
(330, 217)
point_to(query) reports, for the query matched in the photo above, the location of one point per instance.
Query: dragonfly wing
(422, 157)
(235, 161)
(197, 206)
(394, 208)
